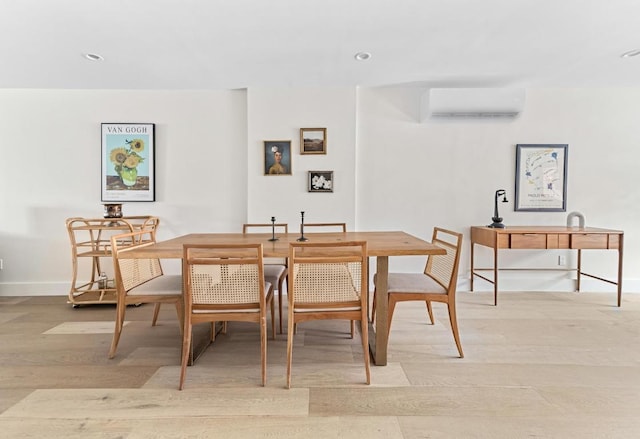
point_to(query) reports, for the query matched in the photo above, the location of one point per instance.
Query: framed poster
(313, 141)
(320, 181)
(128, 165)
(541, 178)
(277, 157)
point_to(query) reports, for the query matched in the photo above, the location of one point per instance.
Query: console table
(546, 238)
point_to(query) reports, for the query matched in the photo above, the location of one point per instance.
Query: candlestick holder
(273, 229)
(302, 238)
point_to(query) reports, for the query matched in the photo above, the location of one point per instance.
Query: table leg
(620, 250)
(495, 275)
(378, 336)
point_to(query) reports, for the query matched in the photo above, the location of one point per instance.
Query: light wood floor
(543, 365)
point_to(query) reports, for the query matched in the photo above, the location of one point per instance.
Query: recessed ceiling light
(631, 53)
(93, 57)
(362, 56)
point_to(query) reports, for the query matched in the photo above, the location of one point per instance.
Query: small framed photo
(320, 181)
(313, 140)
(541, 178)
(128, 163)
(277, 157)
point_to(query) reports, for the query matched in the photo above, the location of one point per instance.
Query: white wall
(278, 114)
(391, 171)
(50, 170)
(414, 176)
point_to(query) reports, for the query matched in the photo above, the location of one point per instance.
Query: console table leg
(495, 275)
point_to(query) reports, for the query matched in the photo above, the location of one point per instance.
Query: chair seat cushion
(165, 285)
(413, 283)
(272, 273)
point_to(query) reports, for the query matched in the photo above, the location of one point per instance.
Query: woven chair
(328, 227)
(140, 280)
(324, 227)
(436, 284)
(328, 281)
(275, 269)
(225, 283)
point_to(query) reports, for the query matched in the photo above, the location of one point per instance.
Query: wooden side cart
(90, 244)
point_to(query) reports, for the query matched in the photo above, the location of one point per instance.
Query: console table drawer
(593, 241)
(528, 240)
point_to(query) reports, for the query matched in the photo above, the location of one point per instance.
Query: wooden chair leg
(273, 321)
(353, 328)
(120, 312)
(392, 307)
(290, 326)
(454, 328)
(430, 311)
(156, 312)
(373, 307)
(186, 347)
(280, 300)
(263, 349)
(364, 333)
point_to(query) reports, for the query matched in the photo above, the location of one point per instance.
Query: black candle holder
(302, 238)
(273, 229)
(497, 219)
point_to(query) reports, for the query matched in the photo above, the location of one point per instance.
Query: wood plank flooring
(543, 365)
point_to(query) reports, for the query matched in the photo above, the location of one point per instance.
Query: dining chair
(140, 281)
(325, 227)
(275, 269)
(328, 281)
(436, 284)
(225, 282)
(151, 224)
(328, 227)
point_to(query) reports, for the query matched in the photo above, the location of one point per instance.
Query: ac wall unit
(475, 102)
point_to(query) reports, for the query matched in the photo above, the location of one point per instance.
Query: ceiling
(230, 44)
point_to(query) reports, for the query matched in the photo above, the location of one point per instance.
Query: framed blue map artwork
(541, 178)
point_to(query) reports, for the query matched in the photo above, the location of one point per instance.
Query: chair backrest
(223, 276)
(328, 273)
(265, 228)
(325, 227)
(132, 272)
(444, 268)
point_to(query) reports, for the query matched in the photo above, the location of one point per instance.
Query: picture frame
(313, 141)
(541, 177)
(128, 162)
(277, 157)
(320, 181)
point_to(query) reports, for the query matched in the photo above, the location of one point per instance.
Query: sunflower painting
(128, 162)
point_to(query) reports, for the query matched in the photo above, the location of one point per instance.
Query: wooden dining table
(380, 245)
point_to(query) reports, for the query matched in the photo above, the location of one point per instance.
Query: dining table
(380, 244)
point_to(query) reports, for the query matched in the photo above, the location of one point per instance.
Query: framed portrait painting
(277, 157)
(313, 140)
(128, 162)
(320, 181)
(541, 178)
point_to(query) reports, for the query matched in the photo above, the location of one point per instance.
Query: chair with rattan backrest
(436, 284)
(328, 281)
(222, 283)
(275, 269)
(324, 227)
(139, 280)
(327, 228)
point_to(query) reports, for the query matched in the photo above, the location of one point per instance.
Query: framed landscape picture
(277, 157)
(313, 140)
(541, 178)
(128, 162)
